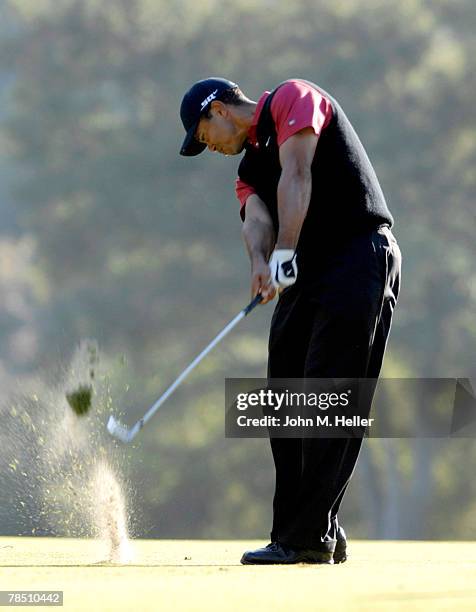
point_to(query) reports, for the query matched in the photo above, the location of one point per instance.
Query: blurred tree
(140, 248)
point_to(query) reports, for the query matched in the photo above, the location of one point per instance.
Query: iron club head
(118, 430)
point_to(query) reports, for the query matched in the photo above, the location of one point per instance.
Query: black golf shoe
(340, 552)
(275, 553)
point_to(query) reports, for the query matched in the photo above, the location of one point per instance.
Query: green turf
(80, 399)
(207, 575)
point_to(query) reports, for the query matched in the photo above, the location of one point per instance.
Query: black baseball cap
(196, 102)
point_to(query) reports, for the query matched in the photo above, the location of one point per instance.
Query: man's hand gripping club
(281, 272)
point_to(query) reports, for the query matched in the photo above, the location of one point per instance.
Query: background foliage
(106, 232)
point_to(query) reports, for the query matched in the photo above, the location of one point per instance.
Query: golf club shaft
(153, 409)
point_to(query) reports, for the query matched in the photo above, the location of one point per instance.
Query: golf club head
(118, 430)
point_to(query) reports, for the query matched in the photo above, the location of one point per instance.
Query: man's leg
(291, 328)
(290, 331)
(392, 257)
(353, 304)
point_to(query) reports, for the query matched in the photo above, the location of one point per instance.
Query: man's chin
(230, 151)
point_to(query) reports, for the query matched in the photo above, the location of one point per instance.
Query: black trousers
(334, 323)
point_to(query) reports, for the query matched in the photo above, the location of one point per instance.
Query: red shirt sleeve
(297, 105)
(243, 192)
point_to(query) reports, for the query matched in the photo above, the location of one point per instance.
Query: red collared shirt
(295, 106)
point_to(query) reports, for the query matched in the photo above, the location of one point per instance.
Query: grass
(206, 575)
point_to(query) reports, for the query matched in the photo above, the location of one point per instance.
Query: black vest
(346, 197)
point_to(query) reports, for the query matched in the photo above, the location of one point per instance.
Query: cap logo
(208, 99)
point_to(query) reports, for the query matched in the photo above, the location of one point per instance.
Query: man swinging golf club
(317, 230)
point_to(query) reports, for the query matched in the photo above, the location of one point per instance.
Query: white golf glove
(283, 268)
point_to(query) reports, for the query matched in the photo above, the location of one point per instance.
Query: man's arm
(259, 238)
(294, 187)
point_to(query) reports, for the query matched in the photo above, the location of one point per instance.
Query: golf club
(121, 432)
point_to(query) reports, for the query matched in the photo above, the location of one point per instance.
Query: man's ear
(219, 108)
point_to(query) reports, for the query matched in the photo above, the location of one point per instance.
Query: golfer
(318, 232)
